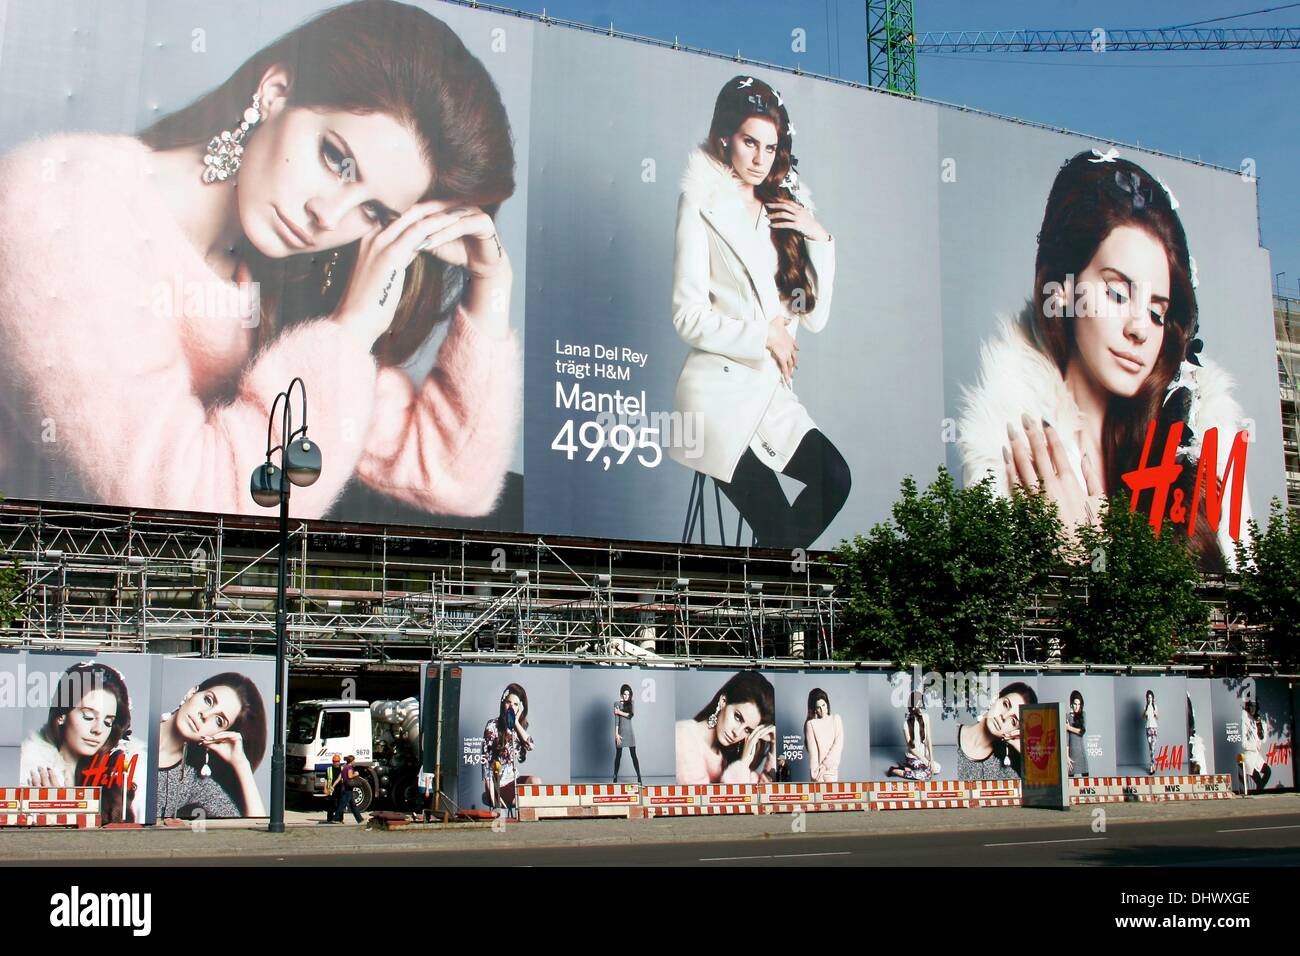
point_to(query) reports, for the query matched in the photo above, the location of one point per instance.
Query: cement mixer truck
(384, 736)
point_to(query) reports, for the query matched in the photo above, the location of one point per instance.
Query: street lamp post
(300, 464)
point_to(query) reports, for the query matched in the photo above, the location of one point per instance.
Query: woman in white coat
(752, 264)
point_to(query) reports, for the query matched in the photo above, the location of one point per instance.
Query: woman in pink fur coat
(156, 292)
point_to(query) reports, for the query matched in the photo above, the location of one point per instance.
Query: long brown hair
(738, 100)
(1090, 198)
(372, 56)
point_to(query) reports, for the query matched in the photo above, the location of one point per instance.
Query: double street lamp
(299, 465)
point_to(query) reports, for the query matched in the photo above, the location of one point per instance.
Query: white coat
(1017, 378)
(730, 387)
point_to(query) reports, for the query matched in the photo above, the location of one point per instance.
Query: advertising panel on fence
(1088, 702)
(824, 725)
(1254, 731)
(159, 737)
(1150, 725)
(214, 738)
(622, 725)
(539, 279)
(514, 729)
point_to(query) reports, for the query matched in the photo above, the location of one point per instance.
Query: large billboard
(542, 280)
(162, 737)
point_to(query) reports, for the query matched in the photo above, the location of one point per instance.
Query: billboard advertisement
(536, 724)
(548, 281)
(1254, 732)
(161, 737)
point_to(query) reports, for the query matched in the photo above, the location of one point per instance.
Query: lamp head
(302, 461)
(265, 485)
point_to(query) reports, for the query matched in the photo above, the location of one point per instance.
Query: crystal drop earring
(226, 149)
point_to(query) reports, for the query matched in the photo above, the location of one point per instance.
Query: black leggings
(777, 523)
(618, 759)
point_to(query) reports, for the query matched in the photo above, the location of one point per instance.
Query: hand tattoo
(383, 296)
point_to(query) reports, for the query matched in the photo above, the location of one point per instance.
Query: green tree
(1133, 596)
(946, 583)
(1269, 566)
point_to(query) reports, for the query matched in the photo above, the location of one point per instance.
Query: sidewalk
(306, 835)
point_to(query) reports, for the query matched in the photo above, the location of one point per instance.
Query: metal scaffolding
(113, 580)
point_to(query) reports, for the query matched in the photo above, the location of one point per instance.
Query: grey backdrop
(848, 695)
(1130, 729)
(1229, 694)
(593, 691)
(1098, 715)
(179, 674)
(548, 722)
(601, 271)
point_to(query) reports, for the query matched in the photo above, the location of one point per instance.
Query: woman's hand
(48, 777)
(784, 349)
(618, 740)
(788, 214)
(763, 732)
(1037, 460)
(229, 746)
(458, 235)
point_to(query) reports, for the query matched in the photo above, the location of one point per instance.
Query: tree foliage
(945, 583)
(1269, 566)
(1133, 596)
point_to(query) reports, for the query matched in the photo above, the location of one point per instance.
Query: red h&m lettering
(1157, 478)
(1209, 463)
(99, 774)
(1170, 758)
(1279, 754)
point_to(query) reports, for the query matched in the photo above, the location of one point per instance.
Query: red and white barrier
(994, 793)
(1137, 789)
(1095, 790)
(697, 811)
(548, 795)
(612, 795)
(1216, 786)
(669, 796)
(919, 795)
(744, 795)
(59, 806)
(788, 797)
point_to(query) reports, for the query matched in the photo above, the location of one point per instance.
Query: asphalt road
(1207, 842)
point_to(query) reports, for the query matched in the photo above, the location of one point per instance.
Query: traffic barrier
(1217, 786)
(1136, 789)
(610, 795)
(529, 814)
(548, 795)
(669, 796)
(698, 811)
(994, 793)
(1095, 790)
(11, 807)
(919, 795)
(730, 795)
(787, 797)
(60, 806)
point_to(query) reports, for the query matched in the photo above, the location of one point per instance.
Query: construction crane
(892, 42)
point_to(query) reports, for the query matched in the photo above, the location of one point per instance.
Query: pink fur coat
(139, 393)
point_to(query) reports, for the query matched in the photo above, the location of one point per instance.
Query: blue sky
(1221, 107)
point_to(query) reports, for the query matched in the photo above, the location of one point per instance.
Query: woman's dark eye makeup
(334, 158)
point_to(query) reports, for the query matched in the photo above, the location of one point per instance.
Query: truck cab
(319, 729)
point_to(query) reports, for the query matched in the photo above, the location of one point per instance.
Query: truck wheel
(363, 794)
(407, 795)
